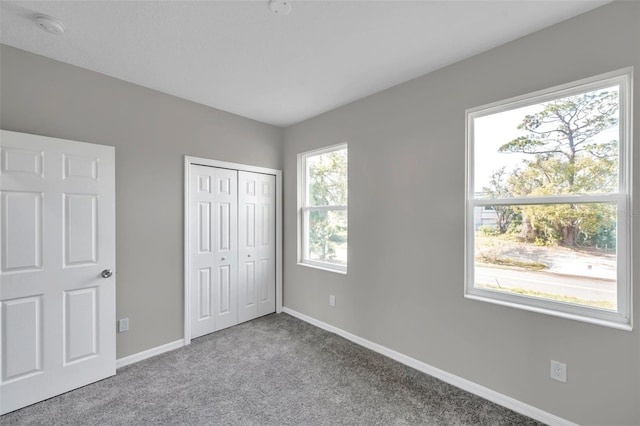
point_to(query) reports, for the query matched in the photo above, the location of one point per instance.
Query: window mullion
(324, 208)
(556, 199)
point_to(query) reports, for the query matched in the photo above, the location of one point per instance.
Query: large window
(549, 202)
(322, 183)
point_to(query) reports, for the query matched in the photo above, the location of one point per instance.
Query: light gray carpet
(276, 370)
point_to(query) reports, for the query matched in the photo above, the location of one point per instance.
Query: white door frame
(188, 161)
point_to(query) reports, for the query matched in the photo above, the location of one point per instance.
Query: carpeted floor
(276, 370)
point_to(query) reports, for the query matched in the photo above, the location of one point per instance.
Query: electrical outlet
(123, 325)
(332, 300)
(559, 371)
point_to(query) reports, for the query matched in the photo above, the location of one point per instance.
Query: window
(322, 183)
(548, 211)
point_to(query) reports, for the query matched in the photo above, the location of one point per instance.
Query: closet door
(256, 252)
(213, 251)
(226, 248)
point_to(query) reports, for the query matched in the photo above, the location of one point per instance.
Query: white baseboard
(131, 359)
(459, 382)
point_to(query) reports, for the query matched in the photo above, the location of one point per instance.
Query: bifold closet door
(256, 245)
(213, 251)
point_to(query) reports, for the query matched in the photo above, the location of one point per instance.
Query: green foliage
(566, 158)
(509, 262)
(327, 179)
(489, 230)
(567, 126)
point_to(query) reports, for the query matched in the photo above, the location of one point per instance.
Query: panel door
(213, 249)
(57, 236)
(256, 250)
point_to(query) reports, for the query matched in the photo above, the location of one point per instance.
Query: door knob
(107, 273)
(248, 255)
(223, 259)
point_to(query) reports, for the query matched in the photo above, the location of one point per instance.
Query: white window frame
(622, 319)
(303, 208)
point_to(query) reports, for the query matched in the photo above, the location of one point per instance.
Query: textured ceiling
(239, 57)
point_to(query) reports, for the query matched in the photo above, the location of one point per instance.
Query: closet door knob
(223, 259)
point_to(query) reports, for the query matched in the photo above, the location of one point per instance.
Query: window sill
(483, 297)
(323, 268)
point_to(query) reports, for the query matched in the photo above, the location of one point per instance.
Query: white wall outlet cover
(332, 300)
(123, 325)
(558, 371)
(280, 7)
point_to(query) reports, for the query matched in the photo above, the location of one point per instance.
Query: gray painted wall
(151, 132)
(404, 288)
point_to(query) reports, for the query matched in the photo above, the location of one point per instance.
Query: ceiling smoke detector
(49, 24)
(280, 7)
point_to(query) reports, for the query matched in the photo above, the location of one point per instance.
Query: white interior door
(57, 236)
(256, 249)
(213, 252)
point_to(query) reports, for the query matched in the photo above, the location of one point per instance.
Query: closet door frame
(188, 161)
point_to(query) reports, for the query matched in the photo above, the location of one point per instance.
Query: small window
(549, 201)
(322, 183)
